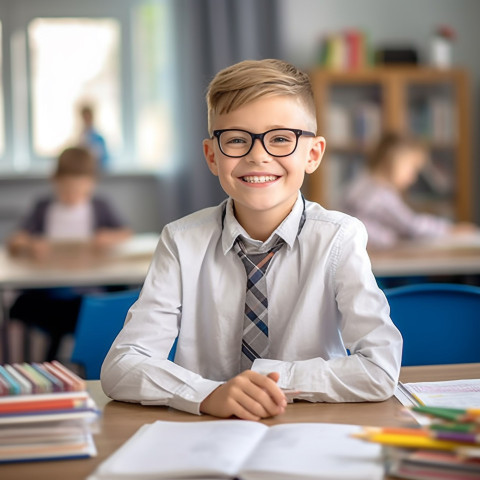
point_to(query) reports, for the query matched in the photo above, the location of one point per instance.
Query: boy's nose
(258, 154)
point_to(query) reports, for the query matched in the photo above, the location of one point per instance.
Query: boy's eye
(279, 139)
(236, 140)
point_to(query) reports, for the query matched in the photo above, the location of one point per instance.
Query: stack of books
(45, 413)
(348, 50)
(447, 446)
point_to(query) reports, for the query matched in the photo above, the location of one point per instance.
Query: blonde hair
(76, 161)
(387, 149)
(250, 80)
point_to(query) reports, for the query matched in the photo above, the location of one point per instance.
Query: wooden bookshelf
(355, 107)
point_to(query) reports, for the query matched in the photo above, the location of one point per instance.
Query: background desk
(440, 257)
(125, 265)
(121, 420)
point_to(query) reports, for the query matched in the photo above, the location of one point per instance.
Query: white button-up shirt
(322, 300)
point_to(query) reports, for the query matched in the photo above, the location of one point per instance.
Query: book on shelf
(45, 413)
(347, 50)
(244, 450)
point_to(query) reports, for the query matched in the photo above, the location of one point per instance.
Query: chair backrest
(100, 319)
(440, 323)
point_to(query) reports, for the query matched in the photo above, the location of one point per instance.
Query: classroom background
(142, 68)
(144, 65)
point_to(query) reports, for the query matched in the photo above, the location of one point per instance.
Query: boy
(316, 298)
(71, 214)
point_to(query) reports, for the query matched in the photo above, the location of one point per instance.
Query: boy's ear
(209, 154)
(315, 154)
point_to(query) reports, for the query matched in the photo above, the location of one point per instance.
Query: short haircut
(76, 161)
(389, 145)
(250, 80)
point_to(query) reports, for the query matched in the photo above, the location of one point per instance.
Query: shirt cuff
(189, 397)
(284, 369)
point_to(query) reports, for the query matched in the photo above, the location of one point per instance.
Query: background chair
(440, 323)
(100, 319)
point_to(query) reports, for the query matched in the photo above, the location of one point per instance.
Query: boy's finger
(274, 376)
(253, 405)
(260, 394)
(273, 390)
(241, 412)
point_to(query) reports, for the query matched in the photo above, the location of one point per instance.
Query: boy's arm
(371, 372)
(136, 368)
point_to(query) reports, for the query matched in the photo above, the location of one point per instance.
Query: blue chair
(440, 323)
(100, 319)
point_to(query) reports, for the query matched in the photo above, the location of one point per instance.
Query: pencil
(452, 414)
(407, 441)
(461, 437)
(455, 427)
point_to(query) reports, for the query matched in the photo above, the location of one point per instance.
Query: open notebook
(245, 450)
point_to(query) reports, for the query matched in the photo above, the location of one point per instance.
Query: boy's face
(259, 182)
(73, 189)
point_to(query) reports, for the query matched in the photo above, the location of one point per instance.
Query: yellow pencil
(407, 441)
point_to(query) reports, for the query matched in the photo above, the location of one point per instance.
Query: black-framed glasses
(278, 142)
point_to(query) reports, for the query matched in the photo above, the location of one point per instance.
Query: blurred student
(92, 139)
(375, 197)
(71, 213)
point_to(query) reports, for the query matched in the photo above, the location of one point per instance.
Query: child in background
(92, 139)
(375, 197)
(310, 295)
(71, 214)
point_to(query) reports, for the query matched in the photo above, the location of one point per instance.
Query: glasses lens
(235, 142)
(280, 142)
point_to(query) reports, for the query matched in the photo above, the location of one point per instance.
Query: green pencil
(452, 414)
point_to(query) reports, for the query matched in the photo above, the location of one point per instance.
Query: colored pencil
(407, 441)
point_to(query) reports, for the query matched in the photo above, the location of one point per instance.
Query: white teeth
(262, 179)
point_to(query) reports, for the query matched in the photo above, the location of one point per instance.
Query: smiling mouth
(259, 179)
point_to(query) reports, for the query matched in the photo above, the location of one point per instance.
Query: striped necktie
(255, 324)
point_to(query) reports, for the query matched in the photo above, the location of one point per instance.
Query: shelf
(355, 107)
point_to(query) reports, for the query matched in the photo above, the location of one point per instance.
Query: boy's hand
(249, 396)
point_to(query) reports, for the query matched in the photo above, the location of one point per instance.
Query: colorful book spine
(38, 378)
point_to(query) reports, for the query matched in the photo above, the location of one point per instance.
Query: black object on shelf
(397, 56)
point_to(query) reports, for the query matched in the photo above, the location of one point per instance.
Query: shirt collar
(287, 230)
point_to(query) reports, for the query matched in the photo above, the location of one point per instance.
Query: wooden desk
(121, 420)
(447, 256)
(75, 267)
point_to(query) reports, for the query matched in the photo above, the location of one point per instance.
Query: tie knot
(256, 261)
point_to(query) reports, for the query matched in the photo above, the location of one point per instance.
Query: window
(116, 56)
(74, 61)
(153, 85)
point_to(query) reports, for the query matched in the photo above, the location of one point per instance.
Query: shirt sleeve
(137, 369)
(371, 371)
